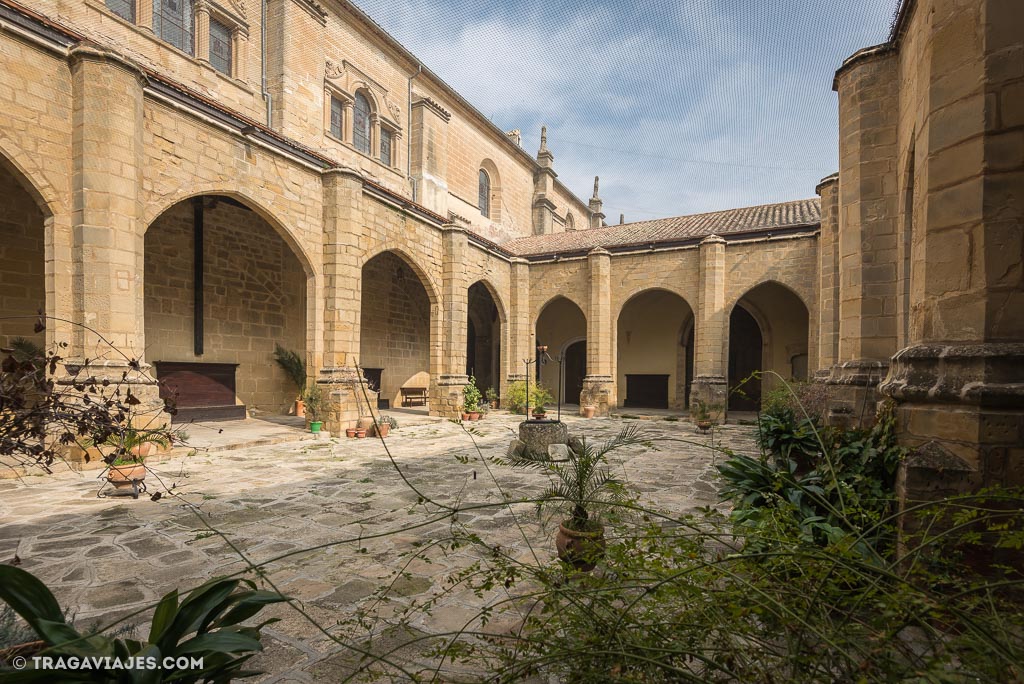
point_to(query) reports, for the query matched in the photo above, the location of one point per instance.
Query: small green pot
(314, 426)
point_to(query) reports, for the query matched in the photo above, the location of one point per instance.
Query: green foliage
(703, 411)
(582, 483)
(804, 399)
(491, 395)
(834, 486)
(388, 420)
(516, 399)
(471, 396)
(128, 439)
(293, 364)
(206, 625)
(315, 403)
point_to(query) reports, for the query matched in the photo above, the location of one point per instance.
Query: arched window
(361, 124)
(570, 222)
(484, 200)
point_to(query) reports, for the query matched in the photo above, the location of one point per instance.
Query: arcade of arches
(22, 260)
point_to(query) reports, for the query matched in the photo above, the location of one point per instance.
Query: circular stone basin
(538, 435)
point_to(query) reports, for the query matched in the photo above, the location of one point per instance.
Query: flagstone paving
(110, 557)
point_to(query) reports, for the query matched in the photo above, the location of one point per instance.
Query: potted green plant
(315, 407)
(295, 368)
(583, 486)
(386, 424)
(131, 446)
(492, 397)
(702, 415)
(540, 412)
(471, 400)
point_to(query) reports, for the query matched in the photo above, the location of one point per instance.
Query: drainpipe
(408, 136)
(263, 64)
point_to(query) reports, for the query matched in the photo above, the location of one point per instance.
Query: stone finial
(544, 155)
(543, 138)
(597, 180)
(622, 219)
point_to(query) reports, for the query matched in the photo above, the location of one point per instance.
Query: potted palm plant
(295, 368)
(314, 407)
(540, 412)
(126, 461)
(581, 485)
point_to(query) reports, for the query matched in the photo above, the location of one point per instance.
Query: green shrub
(471, 396)
(293, 365)
(516, 400)
(800, 398)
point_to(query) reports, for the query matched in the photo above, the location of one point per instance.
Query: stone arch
(773, 316)
(26, 245)
(649, 349)
(31, 178)
(494, 175)
(309, 264)
(803, 296)
(257, 288)
(399, 330)
(560, 323)
(486, 325)
(570, 221)
(423, 274)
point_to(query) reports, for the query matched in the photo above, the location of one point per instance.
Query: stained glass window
(173, 22)
(385, 146)
(220, 47)
(361, 124)
(485, 194)
(122, 8)
(337, 110)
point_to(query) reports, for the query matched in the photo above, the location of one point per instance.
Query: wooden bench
(414, 396)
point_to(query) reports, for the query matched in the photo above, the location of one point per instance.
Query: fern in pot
(295, 368)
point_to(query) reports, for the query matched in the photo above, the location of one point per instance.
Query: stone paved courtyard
(106, 557)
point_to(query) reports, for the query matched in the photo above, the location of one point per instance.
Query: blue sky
(681, 106)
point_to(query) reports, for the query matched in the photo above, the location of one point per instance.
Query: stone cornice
(862, 56)
(988, 375)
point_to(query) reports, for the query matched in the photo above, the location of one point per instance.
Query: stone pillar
(202, 31)
(596, 206)
(828, 279)
(240, 44)
(107, 149)
(341, 382)
(429, 162)
(144, 14)
(520, 324)
(599, 383)
(709, 383)
(959, 387)
(446, 388)
(543, 187)
(868, 228)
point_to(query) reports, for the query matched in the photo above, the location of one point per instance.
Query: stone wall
(651, 332)
(560, 323)
(254, 298)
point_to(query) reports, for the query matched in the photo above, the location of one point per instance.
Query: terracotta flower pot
(582, 550)
(465, 416)
(383, 429)
(122, 476)
(350, 432)
(300, 408)
(588, 411)
(704, 425)
(474, 415)
(539, 416)
(360, 433)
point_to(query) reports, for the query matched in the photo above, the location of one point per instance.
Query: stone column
(144, 14)
(959, 386)
(339, 378)
(543, 186)
(828, 279)
(429, 163)
(709, 383)
(868, 209)
(446, 389)
(520, 324)
(599, 383)
(107, 149)
(202, 31)
(240, 40)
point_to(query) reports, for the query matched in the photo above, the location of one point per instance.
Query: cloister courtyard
(344, 500)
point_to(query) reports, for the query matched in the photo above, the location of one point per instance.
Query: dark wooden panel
(193, 385)
(647, 391)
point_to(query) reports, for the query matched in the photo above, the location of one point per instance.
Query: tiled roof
(750, 219)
